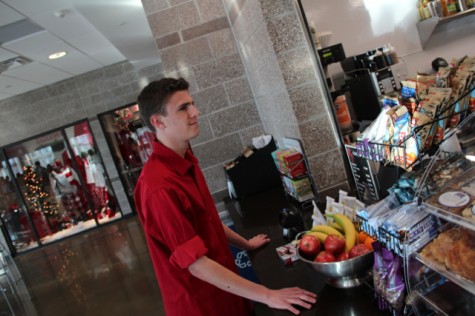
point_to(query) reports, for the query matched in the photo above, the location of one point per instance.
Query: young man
(186, 239)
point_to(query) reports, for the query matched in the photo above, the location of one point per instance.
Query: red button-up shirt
(181, 224)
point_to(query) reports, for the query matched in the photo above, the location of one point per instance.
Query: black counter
(259, 214)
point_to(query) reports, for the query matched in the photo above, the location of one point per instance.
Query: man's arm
(237, 240)
(212, 272)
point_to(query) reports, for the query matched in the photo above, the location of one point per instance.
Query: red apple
(358, 250)
(342, 257)
(325, 256)
(309, 246)
(335, 244)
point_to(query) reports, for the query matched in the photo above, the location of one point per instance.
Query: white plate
(454, 199)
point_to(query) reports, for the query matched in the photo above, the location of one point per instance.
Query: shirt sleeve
(166, 221)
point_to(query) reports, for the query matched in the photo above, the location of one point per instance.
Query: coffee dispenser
(367, 77)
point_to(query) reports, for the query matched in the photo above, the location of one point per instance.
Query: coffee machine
(366, 79)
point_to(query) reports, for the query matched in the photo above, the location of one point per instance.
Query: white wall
(361, 25)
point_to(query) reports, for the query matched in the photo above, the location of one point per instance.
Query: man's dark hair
(155, 95)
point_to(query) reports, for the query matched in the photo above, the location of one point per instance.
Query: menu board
(367, 187)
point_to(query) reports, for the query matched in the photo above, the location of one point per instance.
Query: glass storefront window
(17, 225)
(130, 143)
(89, 167)
(60, 188)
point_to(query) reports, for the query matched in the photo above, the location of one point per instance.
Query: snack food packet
(410, 104)
(443, 96)
(317, 216)
(461, 83)
(390, 101)
(376, 131)
(328, 208)
(341, 194)
(379, 270)
(442, 78)
(422, 129)
(395, 287)
(408, 89)
(424, 82)
(337, 208)
(407, 152)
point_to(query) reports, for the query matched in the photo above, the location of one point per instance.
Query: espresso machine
(367, 78)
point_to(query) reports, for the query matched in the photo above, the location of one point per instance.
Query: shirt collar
(172, 159)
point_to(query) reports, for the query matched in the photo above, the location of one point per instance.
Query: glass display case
(130, 143)
(440, 268)
(53, 186)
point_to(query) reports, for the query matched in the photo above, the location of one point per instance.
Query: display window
(53, 186)
(130, 143)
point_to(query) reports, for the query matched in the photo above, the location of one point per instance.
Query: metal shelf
(450, 217)
(431, 304)
(427, 27)
(455, 278)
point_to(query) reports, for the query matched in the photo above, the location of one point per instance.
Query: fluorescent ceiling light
(57, 55)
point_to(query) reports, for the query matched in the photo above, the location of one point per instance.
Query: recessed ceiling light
(57, 55)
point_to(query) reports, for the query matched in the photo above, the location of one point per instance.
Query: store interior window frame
(21, 198)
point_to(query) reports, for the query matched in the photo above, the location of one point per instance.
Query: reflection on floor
(106, 271)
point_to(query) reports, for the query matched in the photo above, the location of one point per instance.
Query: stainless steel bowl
(343, 274)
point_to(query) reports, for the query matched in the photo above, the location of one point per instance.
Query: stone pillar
(195, 41)
(288, 85)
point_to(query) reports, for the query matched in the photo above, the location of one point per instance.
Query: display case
(53, 185)
(130, 143)
(440, 269)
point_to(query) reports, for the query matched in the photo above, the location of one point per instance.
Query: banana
(319, 235)
(348, 228)
(337, 227)
(326, 229)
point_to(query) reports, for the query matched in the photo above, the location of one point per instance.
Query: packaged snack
(376, 131)
(328, 209)
(424, 82)
(442, 79)
(341, 194)
(379, 270)
(422, 128)
(410, 104)
(461, 83)
(408, 89)
(390, 101)
(395, 287)
(317, 216)
(406, 152)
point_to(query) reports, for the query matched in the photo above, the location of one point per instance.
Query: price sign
(368, 189)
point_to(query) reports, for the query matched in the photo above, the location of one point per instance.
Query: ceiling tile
(5, 54)
(8, 15)
(14, 86)
(38, 73)
(40, 45)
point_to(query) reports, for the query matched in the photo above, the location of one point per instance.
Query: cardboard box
(287, 253)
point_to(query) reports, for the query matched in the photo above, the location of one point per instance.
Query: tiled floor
(103, 272)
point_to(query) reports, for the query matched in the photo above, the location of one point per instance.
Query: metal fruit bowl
(343, 274)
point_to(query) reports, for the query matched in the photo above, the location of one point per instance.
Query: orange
(368, 242)
(362, 237)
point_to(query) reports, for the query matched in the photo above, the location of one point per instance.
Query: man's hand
(257, 241)
(285, 298)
